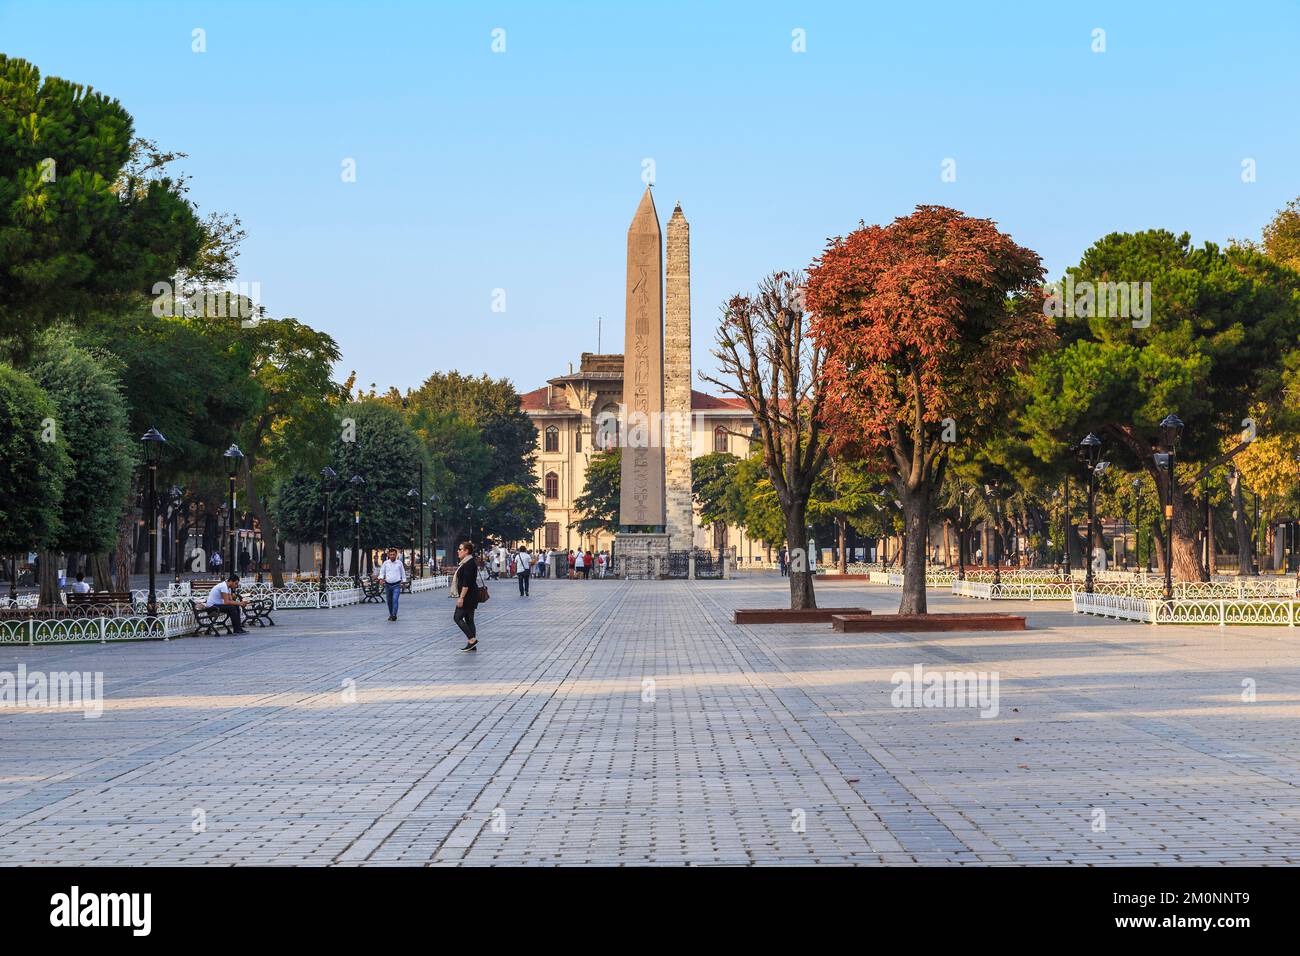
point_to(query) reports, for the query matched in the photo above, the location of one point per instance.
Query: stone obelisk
(680, 523)
(641, 498)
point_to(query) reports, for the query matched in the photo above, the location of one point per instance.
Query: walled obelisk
(680, 523)
(641, 497)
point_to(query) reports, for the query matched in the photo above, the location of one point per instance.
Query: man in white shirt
(221, 599)
(579, 562)
(392, 572)
(523, 565)
(81, 587)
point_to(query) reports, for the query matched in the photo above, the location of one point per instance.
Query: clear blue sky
(521, 170)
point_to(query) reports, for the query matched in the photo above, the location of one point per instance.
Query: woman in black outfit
(466, 594)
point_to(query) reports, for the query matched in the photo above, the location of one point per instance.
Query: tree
(492, 406)
(371, 441)
(513, 512)
(78, 231)
(92, 419)
(923, 322)
(767, 360)
(460, 465)
(290, 366)
(1209, 350)
(713, 488)
(1282, 236)
(598, 502)
(34, 464)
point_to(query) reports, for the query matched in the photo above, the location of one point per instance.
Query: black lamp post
(481, 524)
(993, 492)
(327, 478)
(357, 483)
(1065, 521)
(961, 535)
(1089, 454)
(174, 498)
(1137, 524)
(417, 522)
(433, 531)
(1171, 430)
(233, 455)
(153, 442)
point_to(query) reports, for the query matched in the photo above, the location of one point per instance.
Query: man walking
(523, 568)
(393, 573)
(466, 594)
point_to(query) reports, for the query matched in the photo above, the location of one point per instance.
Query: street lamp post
(153, 442)
(417, 522)
(1171, 430)
(433, 531)
(233, 455)
(327, 478)
(993, 492)
(1137, 522)
(174, 498)
(357, 483)
(961, 535)
(1089, 453)
(1065, 521)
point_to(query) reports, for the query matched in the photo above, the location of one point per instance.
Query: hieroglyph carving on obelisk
(641, 498)
(677, 384)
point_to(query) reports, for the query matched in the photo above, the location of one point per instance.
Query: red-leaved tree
(922, 323)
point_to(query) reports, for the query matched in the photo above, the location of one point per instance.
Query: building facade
(577, 415)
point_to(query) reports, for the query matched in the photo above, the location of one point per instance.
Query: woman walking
(466, 594)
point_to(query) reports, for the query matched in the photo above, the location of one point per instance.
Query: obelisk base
(641, 556)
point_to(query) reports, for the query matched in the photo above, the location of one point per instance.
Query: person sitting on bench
(222, 600)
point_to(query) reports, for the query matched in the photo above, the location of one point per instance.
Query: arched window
(605, 434)
(552, 442)
(552, 485)
(577, 440)
(719, 439)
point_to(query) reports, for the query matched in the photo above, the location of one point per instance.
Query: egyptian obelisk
(641, 498)
(680, 523)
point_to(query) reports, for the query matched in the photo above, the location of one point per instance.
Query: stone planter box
(861, 623)
(785, 615)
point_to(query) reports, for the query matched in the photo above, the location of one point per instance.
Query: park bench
(207, 620)
(101, 603)
(371, 592)
(259, 611)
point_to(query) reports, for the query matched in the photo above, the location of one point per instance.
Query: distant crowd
(503, 562)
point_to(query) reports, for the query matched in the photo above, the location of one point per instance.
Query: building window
(577, 441)
(552, 534)
(552, 485)
(719, 439)
(552, 442)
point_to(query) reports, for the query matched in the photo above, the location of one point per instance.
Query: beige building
(576, 416)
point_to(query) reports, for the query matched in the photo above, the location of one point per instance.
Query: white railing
(431, 583)
(102, 629)
(1223, 611)
(1015, 590)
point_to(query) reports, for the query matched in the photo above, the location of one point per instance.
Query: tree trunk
(916, 508)
(49, 579)
(99, 570)
(840, 525)
(122, 551)
(801, 578)
(269, 530)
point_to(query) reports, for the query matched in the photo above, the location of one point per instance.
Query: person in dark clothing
(466, 594)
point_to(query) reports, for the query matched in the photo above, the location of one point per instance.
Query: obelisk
(641, 497)
(680, 523)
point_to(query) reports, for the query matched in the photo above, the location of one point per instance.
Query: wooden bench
(101, 603)
(371, 592)
(259, 611)
(208, 620)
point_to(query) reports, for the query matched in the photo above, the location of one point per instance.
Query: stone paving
(339, 738)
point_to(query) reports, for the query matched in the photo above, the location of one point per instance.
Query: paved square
(1113, 743)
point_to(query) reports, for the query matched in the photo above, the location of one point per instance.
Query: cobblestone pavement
(341, 738)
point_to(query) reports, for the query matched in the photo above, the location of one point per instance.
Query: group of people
(468, 582)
